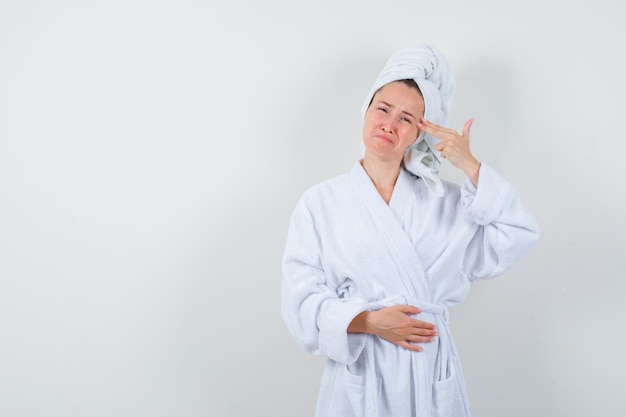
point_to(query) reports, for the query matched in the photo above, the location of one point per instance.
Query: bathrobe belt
(446, 352)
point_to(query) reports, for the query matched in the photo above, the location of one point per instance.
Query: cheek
(409, 133)
(369, 123)
(370, 117)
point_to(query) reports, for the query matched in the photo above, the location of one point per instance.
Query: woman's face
(390, 124)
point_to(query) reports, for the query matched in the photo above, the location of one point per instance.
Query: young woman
(375, 257)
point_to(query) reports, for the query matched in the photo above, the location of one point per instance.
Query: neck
(383, 174)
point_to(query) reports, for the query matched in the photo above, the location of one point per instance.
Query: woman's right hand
(395, 325)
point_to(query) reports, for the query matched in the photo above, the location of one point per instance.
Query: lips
(384, 138)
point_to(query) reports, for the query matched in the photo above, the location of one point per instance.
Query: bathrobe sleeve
(313, 311)
(506, 229)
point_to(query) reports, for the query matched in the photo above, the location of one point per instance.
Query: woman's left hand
(454, 147)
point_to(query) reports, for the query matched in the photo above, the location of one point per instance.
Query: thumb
(466, 128)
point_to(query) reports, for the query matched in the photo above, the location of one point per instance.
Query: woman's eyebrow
(408, 114)
(392, 106)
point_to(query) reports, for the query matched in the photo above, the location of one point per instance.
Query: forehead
(401, 95)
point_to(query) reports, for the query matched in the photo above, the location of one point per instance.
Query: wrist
(472, 170)
(361, 323)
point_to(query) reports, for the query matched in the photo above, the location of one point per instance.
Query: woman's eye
(384, 110)
(406, 120)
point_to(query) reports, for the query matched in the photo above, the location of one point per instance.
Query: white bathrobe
(347, 251)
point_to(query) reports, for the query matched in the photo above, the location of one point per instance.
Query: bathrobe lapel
(387, 219)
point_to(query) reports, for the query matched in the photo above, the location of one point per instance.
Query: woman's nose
(387, 126)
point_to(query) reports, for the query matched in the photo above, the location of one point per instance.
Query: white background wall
(151, 154)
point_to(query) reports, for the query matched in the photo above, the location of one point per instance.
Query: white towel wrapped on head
(432, 73)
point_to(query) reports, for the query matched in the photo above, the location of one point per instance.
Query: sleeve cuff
(334, 339)
(482, 203)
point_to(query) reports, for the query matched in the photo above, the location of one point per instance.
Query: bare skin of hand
(396, 326)
(454, 147)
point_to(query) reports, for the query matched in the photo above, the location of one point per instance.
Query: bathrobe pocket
(363, 397)
(446, 394)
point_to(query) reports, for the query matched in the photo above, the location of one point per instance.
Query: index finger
(434, 129)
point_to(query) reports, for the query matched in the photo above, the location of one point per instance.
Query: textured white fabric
(431, 71)
(347, 251)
